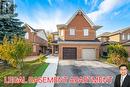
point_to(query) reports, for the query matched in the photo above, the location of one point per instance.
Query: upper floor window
(128, 36)
(123, 36)
(72, 31)
(61, 33)
(85, 32)
(56, 37)
(27, 35)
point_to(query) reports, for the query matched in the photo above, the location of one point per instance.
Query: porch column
(52, 50)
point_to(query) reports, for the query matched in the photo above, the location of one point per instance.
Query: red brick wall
(79, 49)
(79, 22)
(37, 41)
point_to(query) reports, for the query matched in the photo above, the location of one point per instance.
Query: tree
(9, 25)
(6, 7)
(14, 52)
(6, 49)
(49, 38)
(22, 48)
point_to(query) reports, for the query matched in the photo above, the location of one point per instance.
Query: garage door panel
(69, 53)
(88, 54)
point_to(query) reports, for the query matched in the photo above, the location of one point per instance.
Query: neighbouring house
(121, 36)
(38, 38)
(104, 37)
(77, 38)
(127, 46)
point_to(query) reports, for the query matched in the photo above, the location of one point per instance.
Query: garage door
(88, 54)
(69, 53)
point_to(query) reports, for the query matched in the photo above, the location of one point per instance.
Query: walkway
(50, 71)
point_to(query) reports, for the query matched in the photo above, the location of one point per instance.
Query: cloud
(45, 20)
(94, 4)
(91, 4)
(117, 13)
(105, 7)
(86, 1)
(48, 21)
(50, 2)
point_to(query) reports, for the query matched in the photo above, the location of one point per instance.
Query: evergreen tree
(10, 26)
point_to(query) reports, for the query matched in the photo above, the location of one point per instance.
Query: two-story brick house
(38, 39)
(121, 36)
(77, 38)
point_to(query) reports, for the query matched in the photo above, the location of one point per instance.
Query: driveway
(72, 68)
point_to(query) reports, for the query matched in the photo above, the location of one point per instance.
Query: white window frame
(56, 37)
(123, 36)
(72, 31)
(85, 32)
(61, 32)
(26, 35)
(128, 36)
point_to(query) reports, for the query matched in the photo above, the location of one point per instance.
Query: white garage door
(88, 54)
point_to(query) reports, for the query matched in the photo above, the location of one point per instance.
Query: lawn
(33, 68)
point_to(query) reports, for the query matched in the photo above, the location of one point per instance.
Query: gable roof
(54, 33)
(105, 34)
(120, 31)
(113, 33)
(84, 15)
(37, 31)
(32, 29)
(41, 33)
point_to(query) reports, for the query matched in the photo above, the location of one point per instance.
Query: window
(56, 37)
(72, 31)
(85, 31)
(61, 32)
(34, 48)
(128, 36)
(26, 35)
(123, 36)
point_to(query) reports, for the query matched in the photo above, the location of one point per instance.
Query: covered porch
(55, 49)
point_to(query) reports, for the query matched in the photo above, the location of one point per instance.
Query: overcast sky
(46, 14)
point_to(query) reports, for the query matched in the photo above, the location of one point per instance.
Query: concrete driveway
(72, 68)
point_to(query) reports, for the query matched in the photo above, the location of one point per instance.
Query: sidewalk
(50, 71)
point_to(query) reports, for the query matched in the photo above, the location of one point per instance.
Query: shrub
(22, 49)
(13, 52)
(117, 54)
(6, 50)
(41, 58)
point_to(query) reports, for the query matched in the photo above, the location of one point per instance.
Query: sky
(46, 14)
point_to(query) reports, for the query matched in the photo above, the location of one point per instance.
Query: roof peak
(85, 16)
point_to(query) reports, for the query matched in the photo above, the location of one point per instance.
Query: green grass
(37, 73)
(33, 68)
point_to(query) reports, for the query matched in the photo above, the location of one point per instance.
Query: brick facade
(79, 41)
(39, 44)
(79, 49)
(117, 37)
